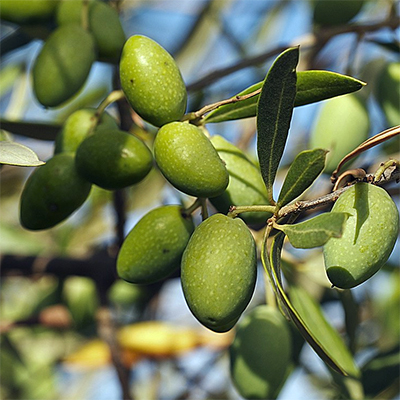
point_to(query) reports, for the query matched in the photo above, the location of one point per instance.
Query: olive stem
(234, 211)
(197, 203)
(114, 96)
(204, 211)
(196, 116)
(384, 167)
(85, 15)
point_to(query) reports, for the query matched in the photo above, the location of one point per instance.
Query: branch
(303, 205)
(107, 332)
(308, 42)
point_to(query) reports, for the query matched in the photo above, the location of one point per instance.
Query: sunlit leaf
(315, 231)
(302, 173)
(274, 113)
(12, 153)
(312, 86)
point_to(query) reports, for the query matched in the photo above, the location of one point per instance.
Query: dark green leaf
(330, 347)
(381, 371)
(274, 113)
(312, 86)
(321, 85)
(12, 153)
(302, 173)
(315, 231)
(33, 130)
(330, 344)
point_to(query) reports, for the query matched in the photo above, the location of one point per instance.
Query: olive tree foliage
(263, 189)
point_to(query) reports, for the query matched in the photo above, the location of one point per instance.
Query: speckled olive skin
(260, 353)
(63, 64)
(78, 126)
(153, 248)
(113, 159)
(189, 161)
(246, 186)
(368, 238)
(151, 81)
(218, 271)
(52, 193)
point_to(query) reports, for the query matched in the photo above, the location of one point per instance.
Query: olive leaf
(302, 173)
(306, 314)
(323, 333)
(312, 86)
(12, 153)
(31, 129)
(274, 113)
(315, 231)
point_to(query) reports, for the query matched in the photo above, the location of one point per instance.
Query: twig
(317, 40)
(303, 205)
(107, 332)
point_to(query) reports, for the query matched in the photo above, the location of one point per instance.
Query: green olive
(27, 11)
(63, 65)
(104, 24)
(52, 193)
(341, 125)
(246, 186)
(151, 81)
(153, 248)
(189, 161)
(368, 238)
(218, 271)
(113, 159)
(335, 12)
(78, 126)
(260, 353)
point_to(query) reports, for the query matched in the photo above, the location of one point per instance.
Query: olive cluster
(85, 32)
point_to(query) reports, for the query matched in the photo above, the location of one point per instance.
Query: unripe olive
(341, 125)
(335, 12)
(52, 193)
(368, 237)
(218, 271)
(104, 24)
(78, 126)
(24, 11)
(63, 64)
(189, 161)
(388, 92)
(113, 159)
(151, 81)
(246, 186)
(260, 353)
(153, 248)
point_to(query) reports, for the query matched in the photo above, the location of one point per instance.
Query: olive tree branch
(107, 331)
(314, 41)
(197, 115)
(303, 205)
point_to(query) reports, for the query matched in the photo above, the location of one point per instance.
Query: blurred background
(62, 306)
